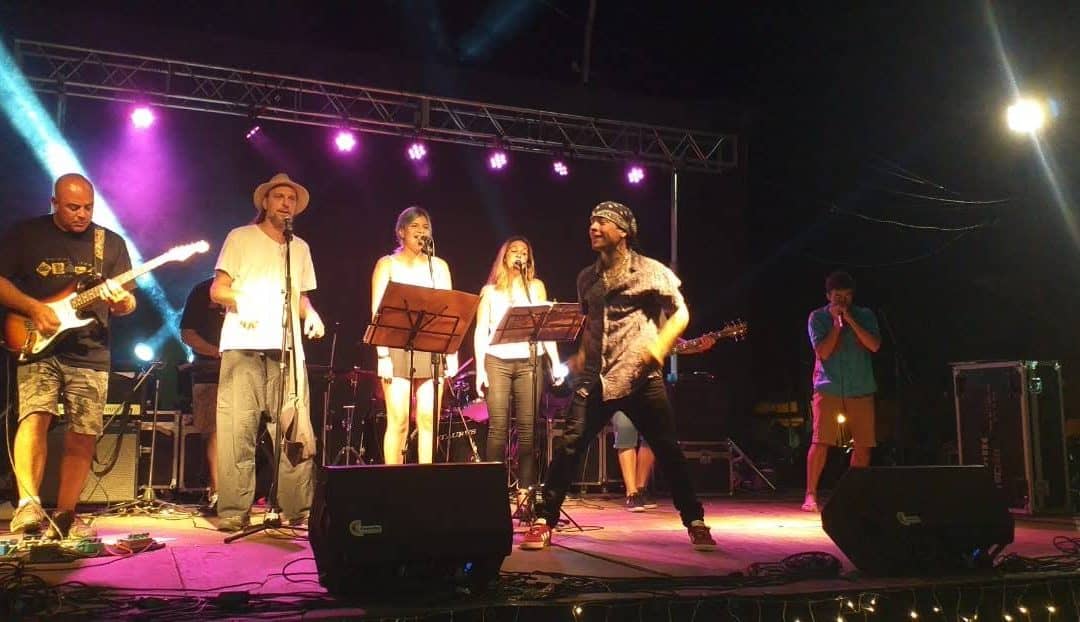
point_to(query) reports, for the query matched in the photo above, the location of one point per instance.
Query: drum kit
(354, 417)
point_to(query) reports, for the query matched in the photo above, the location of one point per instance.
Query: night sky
(876, 142)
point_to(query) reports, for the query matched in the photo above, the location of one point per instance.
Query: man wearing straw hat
(256, 381)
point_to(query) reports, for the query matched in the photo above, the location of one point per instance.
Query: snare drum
(476, 411)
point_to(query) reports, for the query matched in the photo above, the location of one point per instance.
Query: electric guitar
(734, 330)
(21, 337)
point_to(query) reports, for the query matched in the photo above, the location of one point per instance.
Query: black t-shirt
(43, 261)
(205, 317)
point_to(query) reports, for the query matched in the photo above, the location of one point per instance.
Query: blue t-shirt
(848, 372)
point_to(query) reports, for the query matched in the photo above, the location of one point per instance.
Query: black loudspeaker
(912, 521)
(401, 530)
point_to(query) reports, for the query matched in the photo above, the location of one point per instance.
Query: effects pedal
(8, 548)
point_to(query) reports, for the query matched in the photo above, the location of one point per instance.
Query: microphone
(520, 266)
(288, 228)
(427, 245)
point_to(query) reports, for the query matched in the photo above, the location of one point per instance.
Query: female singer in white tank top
(409, 264)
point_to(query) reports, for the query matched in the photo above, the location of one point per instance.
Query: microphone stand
(147, 499)
(272, 518)
(526, 512)
(436, 367)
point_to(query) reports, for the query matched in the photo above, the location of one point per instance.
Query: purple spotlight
(497, 160)
(142, 117)
(345, 141)
(255, 129)
(635, 174)
(417, 151)
(560, 168)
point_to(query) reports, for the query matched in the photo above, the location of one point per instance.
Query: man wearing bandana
(634, 316)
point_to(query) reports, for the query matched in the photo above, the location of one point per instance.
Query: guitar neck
(691, 344)
(92, 295)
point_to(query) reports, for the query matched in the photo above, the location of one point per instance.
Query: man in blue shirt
(843, 337)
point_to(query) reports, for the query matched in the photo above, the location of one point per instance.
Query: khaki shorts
(42, 384)
(858, 425)
(204, 405)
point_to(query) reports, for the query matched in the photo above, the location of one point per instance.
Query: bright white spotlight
(345, 141)
(142, 117)
(417, 151)
(635, 174)
(1026, 116)
(144, 352)
(497, 160)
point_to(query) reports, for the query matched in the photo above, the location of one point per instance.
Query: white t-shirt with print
(256, 263)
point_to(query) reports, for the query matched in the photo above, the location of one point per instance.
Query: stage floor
(615, 544)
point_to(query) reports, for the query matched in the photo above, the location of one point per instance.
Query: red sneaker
(700, 538)
(537, 537)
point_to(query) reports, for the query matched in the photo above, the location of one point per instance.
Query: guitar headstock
(183, 252)
(736, 330)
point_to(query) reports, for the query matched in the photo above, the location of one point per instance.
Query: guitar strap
(99, 251)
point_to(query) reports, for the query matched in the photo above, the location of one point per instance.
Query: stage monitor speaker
(400, 530)
(915, 521)
(113, 472)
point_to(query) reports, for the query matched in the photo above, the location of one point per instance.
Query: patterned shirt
(622, 318)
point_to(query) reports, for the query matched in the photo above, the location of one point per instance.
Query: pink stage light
(560, 168)
(417, 151)
(635, 174)
(142, 117)
(255, 129)
(497, 161)
(345, 141)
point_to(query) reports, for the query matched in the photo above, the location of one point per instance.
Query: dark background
(846, 111)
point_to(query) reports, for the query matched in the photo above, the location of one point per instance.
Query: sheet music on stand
(550, 321)
(423, 319)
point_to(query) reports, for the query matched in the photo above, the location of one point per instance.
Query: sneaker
(210, 507)
(234, 523)
(29, 518)
(634, 503)
(810, 504)
(537, 537)
(647, 500)
(66, 526)
(700, 538)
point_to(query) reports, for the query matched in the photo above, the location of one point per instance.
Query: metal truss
(68, 71)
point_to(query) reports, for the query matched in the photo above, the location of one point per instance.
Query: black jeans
(650, 411)
(512, 378)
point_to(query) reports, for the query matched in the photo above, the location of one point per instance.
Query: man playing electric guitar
(40, 258)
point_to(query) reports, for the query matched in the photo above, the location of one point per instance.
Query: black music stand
(553, 321)
(422, 319)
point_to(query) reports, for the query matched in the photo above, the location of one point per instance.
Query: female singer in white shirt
(503, 372)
